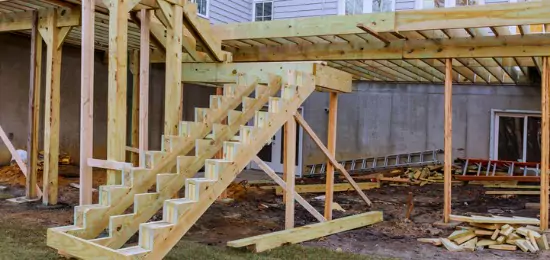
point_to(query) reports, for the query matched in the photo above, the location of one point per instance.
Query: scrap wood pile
(415, 176)
(500, 236)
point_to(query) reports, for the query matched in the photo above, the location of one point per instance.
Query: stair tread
(134, 250)
(157, 224)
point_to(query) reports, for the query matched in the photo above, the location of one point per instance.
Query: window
(516, 136)
(202, 7)
(354, 7)
(263, 11)
(380, 6)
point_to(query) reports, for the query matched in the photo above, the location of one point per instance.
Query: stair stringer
(99, 215)
(123, 231)
(209, 192)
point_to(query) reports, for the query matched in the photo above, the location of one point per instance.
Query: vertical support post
(173, 93)
(448, 140)
(118, 61)
(144, 86)
(31, 189)
(545, 93)
(87, 101)
(51, 109)
(331, 146)
(289, 167)
(134, 68)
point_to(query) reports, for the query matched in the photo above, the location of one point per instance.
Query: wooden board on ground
(296, 235)
(496, 220)
(320, 188)
(512, 192)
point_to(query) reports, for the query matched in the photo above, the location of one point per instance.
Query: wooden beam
(13, 152)
(289, 166)
(283, 186)
(495, 220)
(50, 33)
(331, 158)
(331, 147)
(465, 47)
(374, 34)
(173, 96)
(413, 20)
(512, 192)
(31, 191)
(448, 138)
(321, 188)
(110, 165)
(87, 101)
(117, 83)
(20, 21)
(326, 78)
(134, 131)
(144, 86)
(292, 236)
(545, 146)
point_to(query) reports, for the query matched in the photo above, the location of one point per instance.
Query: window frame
(367, 6)
(262, 1)
(207, 15)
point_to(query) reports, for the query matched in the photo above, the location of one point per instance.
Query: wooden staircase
(99, 231)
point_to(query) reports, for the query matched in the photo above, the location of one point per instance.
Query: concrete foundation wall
(382, 119)
(14, 90)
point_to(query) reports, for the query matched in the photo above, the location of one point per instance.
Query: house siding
(404, 5)
(230, 11)
(287, 9)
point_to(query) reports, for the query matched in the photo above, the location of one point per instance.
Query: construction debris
(499, 236)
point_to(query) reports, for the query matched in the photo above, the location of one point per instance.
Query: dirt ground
(256, 211)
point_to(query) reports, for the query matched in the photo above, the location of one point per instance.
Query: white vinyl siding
(230, 11)
(287, 9)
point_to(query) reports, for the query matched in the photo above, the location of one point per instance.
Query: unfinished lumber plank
(144, 52)
(31, 188)
(465, 238)
(486, 242)
(503, 247)
(338, 187)
(272, 240)
(451, 246)
(331, 147)
(470, 245)
(494, 236)
(460, 233)
(496, 220)
(545, 143)
(542, 242)
(86, 100)
(173, 79)
(512, 192)
(486, 226)
(109, 165)
(481, 232)
(433, 241)
(332, 160)
(289, 165)
(448, 138)
(50, 33)
(117, 84)
(271, 173)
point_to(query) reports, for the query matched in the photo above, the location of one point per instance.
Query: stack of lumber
(418, 176)
(511, 237)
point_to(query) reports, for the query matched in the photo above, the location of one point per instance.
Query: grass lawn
(24, 241)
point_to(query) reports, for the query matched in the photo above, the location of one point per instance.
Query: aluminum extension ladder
(490, 167)
(385, 162)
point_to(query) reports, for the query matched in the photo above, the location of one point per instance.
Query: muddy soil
(254, 211)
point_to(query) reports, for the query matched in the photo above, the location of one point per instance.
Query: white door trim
(495, 116)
